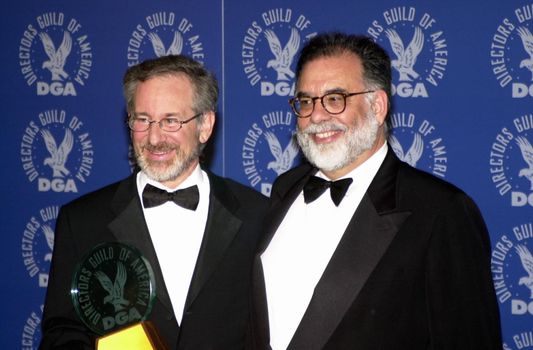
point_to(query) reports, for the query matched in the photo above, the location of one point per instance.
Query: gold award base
(139, 336)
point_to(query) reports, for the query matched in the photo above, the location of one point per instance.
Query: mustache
(160, 147)
(323, 127)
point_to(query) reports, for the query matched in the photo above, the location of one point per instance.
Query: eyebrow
(329, 91)
(165, 115)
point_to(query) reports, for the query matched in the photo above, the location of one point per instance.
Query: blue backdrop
(464, 113)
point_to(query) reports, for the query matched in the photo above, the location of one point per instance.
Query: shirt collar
(364, 173)
(195, 178)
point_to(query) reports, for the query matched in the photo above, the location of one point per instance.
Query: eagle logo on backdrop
(56, 62)
(269, 149)
(283, 56)
(527, 42)
(53, 166)
(55, 55)
(283, 157)
(162, 34)
(269, 47)
(58, 155)
(419, 47)
(511, 162)
(418, 143)
(512, 270)
(511, 52)
(406, 57)
(527, 154)
(527, 263)
(175, 47)
(414, 152)
(37, 244)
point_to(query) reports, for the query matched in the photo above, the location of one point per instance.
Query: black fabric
(187, 198)
(315, 186)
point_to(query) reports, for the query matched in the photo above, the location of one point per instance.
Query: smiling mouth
(327, 136)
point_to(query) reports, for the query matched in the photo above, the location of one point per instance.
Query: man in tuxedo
(362, 251)
(201, 254)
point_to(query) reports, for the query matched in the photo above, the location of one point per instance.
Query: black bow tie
(315, 186)
(187, 198)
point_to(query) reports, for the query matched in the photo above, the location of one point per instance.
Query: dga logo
(162, 34)
(269, 149)
(512, 269)
(511, 161)
(522, 340)
(31, 331)
(38, 243)
(417, 144)
(55, 55)
(56, 152)
(511, 52)
(420, 51)
(113, 286)
(277, 36)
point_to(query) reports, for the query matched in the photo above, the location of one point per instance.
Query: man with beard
(200, 250)
(360, 250)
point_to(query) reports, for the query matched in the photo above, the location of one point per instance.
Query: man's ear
(206, 128)
(380, 106)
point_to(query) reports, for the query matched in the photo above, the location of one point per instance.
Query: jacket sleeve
(462, 308)
(61, 328)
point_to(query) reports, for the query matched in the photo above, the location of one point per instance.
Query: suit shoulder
(427, 189)
(242, 193)
(288, 178)
(95, 198)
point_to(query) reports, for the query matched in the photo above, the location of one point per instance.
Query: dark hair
(375, 60)
(203, 81)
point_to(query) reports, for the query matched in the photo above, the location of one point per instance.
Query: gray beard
(336, 155)
(172, 169)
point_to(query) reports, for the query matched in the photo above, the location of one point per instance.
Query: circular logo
(269, 149)
(162, 34)
(511, 161)
(37, 244)
(419, 49)
(418, 144)
(511, 52)
(512, 267)
(113, 286)
(55, 55)
(269, 47)
(56, 152)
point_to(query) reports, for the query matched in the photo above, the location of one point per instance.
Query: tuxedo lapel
(129, 227)
(366, 238)
(221, 227)
(281, 203)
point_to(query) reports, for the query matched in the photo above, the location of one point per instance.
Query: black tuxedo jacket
(411, 271)
(216, 309)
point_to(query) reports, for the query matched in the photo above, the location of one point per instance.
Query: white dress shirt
(177, 234)
(302, 248)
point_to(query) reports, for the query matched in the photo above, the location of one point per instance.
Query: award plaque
(113, 291)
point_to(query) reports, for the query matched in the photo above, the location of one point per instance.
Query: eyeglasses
(333, 103)
(139, 123)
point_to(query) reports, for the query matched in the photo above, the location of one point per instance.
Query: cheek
(303, 123)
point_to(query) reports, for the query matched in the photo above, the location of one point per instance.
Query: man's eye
(305, 101)
(142, 120)
(172, 121)
(334, 98)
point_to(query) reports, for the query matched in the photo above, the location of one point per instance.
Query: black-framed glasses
(140, 123)
(333, 103)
